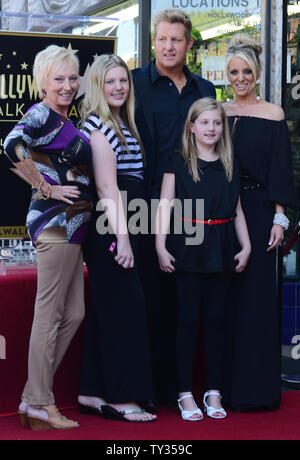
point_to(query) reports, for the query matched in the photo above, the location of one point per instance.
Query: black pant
(201, 295)
(161, 299)
(116, 363)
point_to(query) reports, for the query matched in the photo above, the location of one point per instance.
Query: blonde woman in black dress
(261, 145)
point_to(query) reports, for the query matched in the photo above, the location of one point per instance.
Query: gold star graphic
(83, 81)
(14, 53)
(8, 66)
(70, 48)
(24, 66)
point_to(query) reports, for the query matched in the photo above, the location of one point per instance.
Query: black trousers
(116, 362)
(201, 295)
(161, 300)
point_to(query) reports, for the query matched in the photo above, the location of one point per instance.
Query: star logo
(70, 48)
(83, 82)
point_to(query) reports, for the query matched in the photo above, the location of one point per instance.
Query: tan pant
(59, 310)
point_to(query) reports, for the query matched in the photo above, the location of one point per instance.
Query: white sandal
(187, 414)
(210, 410)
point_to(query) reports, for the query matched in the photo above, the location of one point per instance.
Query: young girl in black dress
(204, 170)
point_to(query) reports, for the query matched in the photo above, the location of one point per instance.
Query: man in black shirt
(165, 90)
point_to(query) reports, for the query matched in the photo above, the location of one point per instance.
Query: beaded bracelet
(281, 219)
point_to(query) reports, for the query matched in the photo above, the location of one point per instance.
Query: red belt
(209, 221)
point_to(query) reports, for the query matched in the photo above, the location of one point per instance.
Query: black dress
(116, 358)
(252, 372)
(217, 250)
(203, 270)
(116, 363)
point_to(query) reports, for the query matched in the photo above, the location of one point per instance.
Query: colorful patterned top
(62, 154)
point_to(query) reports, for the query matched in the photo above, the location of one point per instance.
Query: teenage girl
(116, 374)
(204, 170)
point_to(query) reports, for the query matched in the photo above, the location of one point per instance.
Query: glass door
(291, 265)
(213, 27)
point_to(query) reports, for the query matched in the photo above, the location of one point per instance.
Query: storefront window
(120, 20)
(291, 287)
(215, 22)
(292, 110)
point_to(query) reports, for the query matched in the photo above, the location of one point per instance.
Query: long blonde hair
(94, 102)
(223, 147)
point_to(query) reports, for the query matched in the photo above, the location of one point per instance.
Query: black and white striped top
(127, 163)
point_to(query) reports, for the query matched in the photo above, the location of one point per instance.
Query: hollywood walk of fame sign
(18, 92)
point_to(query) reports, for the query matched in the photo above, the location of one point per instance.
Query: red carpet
(282, 424)
(18, 289)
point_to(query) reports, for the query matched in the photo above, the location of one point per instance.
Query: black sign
(18, 93)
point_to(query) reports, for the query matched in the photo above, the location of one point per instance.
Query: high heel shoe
(49, 418)
(187, 414)
(210, 410)
(23, 414)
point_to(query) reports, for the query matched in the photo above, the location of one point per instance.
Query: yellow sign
(13, 232)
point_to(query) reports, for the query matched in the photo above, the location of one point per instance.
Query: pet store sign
(214, 69)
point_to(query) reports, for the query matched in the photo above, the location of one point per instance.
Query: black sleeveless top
(217, 250)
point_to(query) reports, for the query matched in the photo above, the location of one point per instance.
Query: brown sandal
(49, 418)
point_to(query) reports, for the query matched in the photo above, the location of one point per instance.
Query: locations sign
(207, 5)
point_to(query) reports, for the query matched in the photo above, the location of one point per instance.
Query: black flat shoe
(110, 413)
(150, 406)
(88, 410)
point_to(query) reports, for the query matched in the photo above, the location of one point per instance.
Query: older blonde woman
(54, 156)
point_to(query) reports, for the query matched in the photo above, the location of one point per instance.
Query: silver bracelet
(281, 219)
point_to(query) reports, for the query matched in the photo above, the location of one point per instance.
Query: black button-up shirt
(170, 109)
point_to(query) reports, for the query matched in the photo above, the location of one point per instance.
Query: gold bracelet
(40, 183)
(38, 195)
(46, 197)
(42, 196)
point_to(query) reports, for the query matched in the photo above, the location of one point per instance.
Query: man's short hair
(173, 16)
